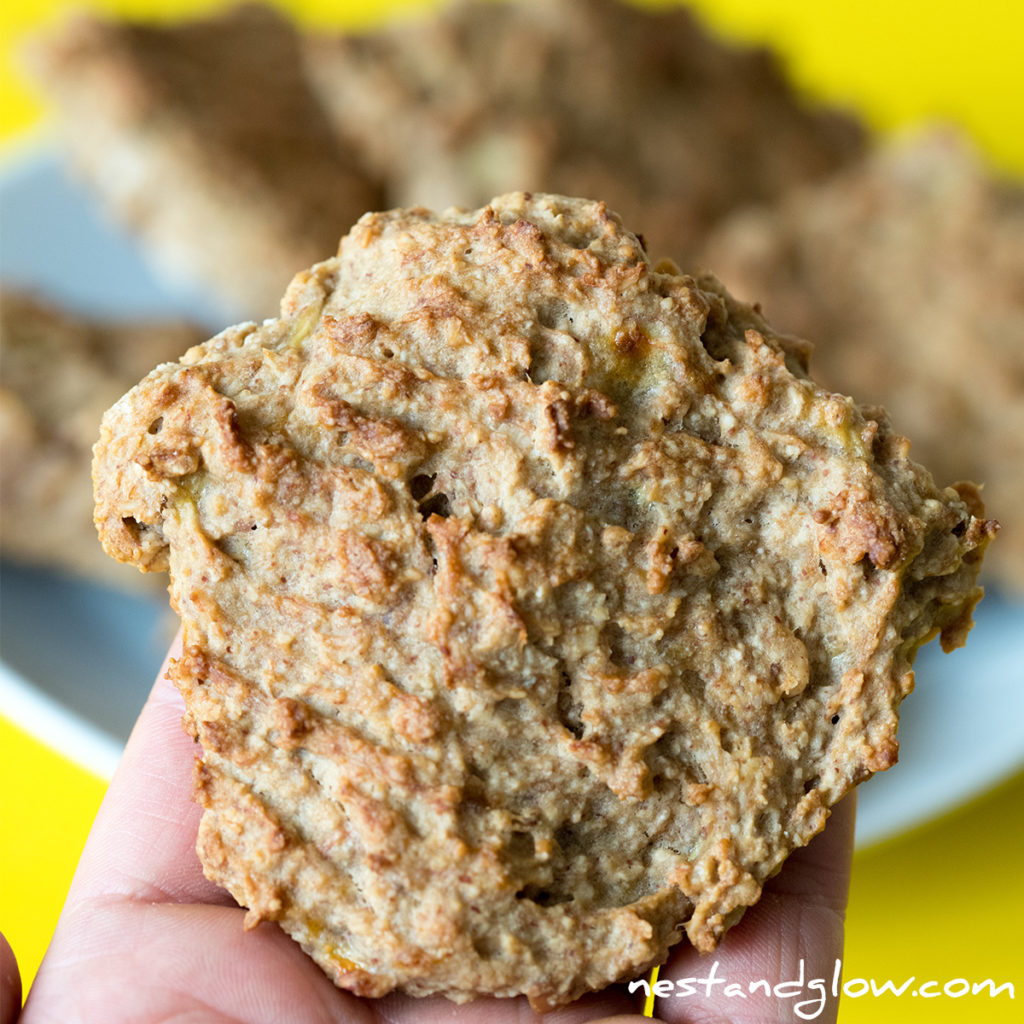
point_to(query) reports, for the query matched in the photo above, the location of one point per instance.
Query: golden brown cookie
(536, 603)
(908, 272)
(60, 371)
(645, 108)
(206, 141)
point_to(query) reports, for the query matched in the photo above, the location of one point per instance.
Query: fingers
(142, 844)
(613, 1006)
(138, 962)
(628, 1018)
(784, 952)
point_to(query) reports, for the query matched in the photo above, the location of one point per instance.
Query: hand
(144, 937)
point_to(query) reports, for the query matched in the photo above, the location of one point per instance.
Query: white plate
(78, 660)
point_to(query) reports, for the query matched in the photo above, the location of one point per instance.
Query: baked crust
(536, 604)
(669, 125)
(205, 139)
(60, 373)
(907, 270)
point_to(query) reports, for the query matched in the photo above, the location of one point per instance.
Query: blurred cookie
(59, 373)
(642, 108)
(205, 139)
(536, 603)
(908, 273)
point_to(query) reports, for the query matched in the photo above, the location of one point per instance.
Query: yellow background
(943, 902)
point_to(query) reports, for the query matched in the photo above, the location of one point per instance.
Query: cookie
(60, 372)
(644, 108)
(205, 140)
(536, 603)
(908, 272)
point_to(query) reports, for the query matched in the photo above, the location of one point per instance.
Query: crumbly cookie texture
(61, 372)
(205, 139)
(536, 603)
(645, 108)
(908, 271)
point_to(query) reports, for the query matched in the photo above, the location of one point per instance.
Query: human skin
(144, 937)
